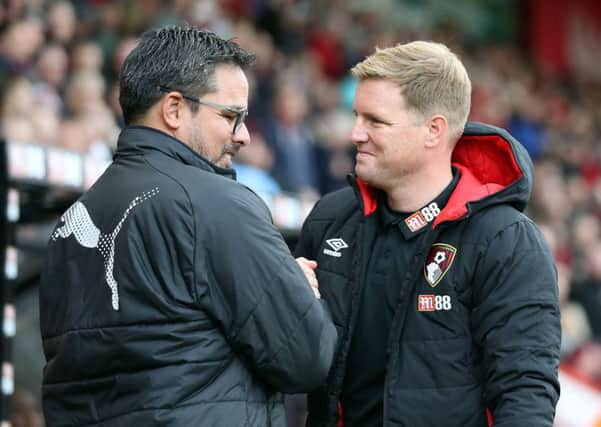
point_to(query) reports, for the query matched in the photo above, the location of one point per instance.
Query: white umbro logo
(336, 244)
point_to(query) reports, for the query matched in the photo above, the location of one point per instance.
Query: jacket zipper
(401, 311)
(358, 281)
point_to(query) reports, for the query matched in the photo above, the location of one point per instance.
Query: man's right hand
(308, 267)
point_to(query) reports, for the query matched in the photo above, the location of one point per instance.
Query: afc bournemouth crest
(438, 262)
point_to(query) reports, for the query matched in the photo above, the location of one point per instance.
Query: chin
(362, 173)
(366, 176)
(225, 163)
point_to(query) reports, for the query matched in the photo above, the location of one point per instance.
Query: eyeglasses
(225, 110)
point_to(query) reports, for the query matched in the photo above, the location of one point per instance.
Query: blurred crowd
(59, 65)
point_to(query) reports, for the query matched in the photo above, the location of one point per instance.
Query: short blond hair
(431, 78)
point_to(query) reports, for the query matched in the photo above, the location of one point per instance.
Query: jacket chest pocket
(437, 313)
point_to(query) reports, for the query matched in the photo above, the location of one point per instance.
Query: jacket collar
(136, 139)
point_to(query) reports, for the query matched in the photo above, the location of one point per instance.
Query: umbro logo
(336, 244)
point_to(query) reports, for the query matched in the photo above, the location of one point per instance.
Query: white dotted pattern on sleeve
(78, 222)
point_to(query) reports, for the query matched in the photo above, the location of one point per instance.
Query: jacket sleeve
(516, 322)
(261, 298)
(305, 246)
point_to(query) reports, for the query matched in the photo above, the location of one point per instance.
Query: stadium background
(535, 67)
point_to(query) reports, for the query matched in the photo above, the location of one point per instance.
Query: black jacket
(169, 299)
(493, 341)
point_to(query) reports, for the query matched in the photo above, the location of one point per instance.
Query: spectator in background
(85, 93)
(575, 327)
(269, 64)
(585, 233)
(588, 291)
(18, 46)
(335, 153)
(52, 66)
(168, 277)
(72, 136)
(10, 11)
(87, 57)
(46, 123)
(85, 99)
(51, 69)
(253, 165)
(125, 46)
(527, 123)
(550, 201)
(107, 30)
(17, 98)
(61, 23)
(17, 105)
(288, 134)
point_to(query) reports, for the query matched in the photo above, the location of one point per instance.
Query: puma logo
(77, 222)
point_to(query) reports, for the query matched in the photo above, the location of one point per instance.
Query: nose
(242, 136)
(358, 133)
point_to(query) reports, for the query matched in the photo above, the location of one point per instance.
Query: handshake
(308, 267)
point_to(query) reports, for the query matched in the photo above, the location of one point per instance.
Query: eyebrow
(371, 116)
(231, 108)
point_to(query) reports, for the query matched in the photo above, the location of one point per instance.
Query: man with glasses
(168, 297)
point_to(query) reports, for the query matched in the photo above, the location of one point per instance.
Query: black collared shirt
(398, 236)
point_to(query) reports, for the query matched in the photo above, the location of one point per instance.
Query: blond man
(444, 293)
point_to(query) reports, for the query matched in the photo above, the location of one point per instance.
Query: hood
(494, 169)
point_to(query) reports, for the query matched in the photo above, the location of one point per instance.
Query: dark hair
(178, 57)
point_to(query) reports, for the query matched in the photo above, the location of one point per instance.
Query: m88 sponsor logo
(434, 303)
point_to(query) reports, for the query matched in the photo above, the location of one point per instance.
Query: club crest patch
(438, 262)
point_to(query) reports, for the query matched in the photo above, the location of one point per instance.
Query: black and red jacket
(494, 352)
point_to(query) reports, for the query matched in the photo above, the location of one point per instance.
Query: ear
(437, 131)
(171, 110)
